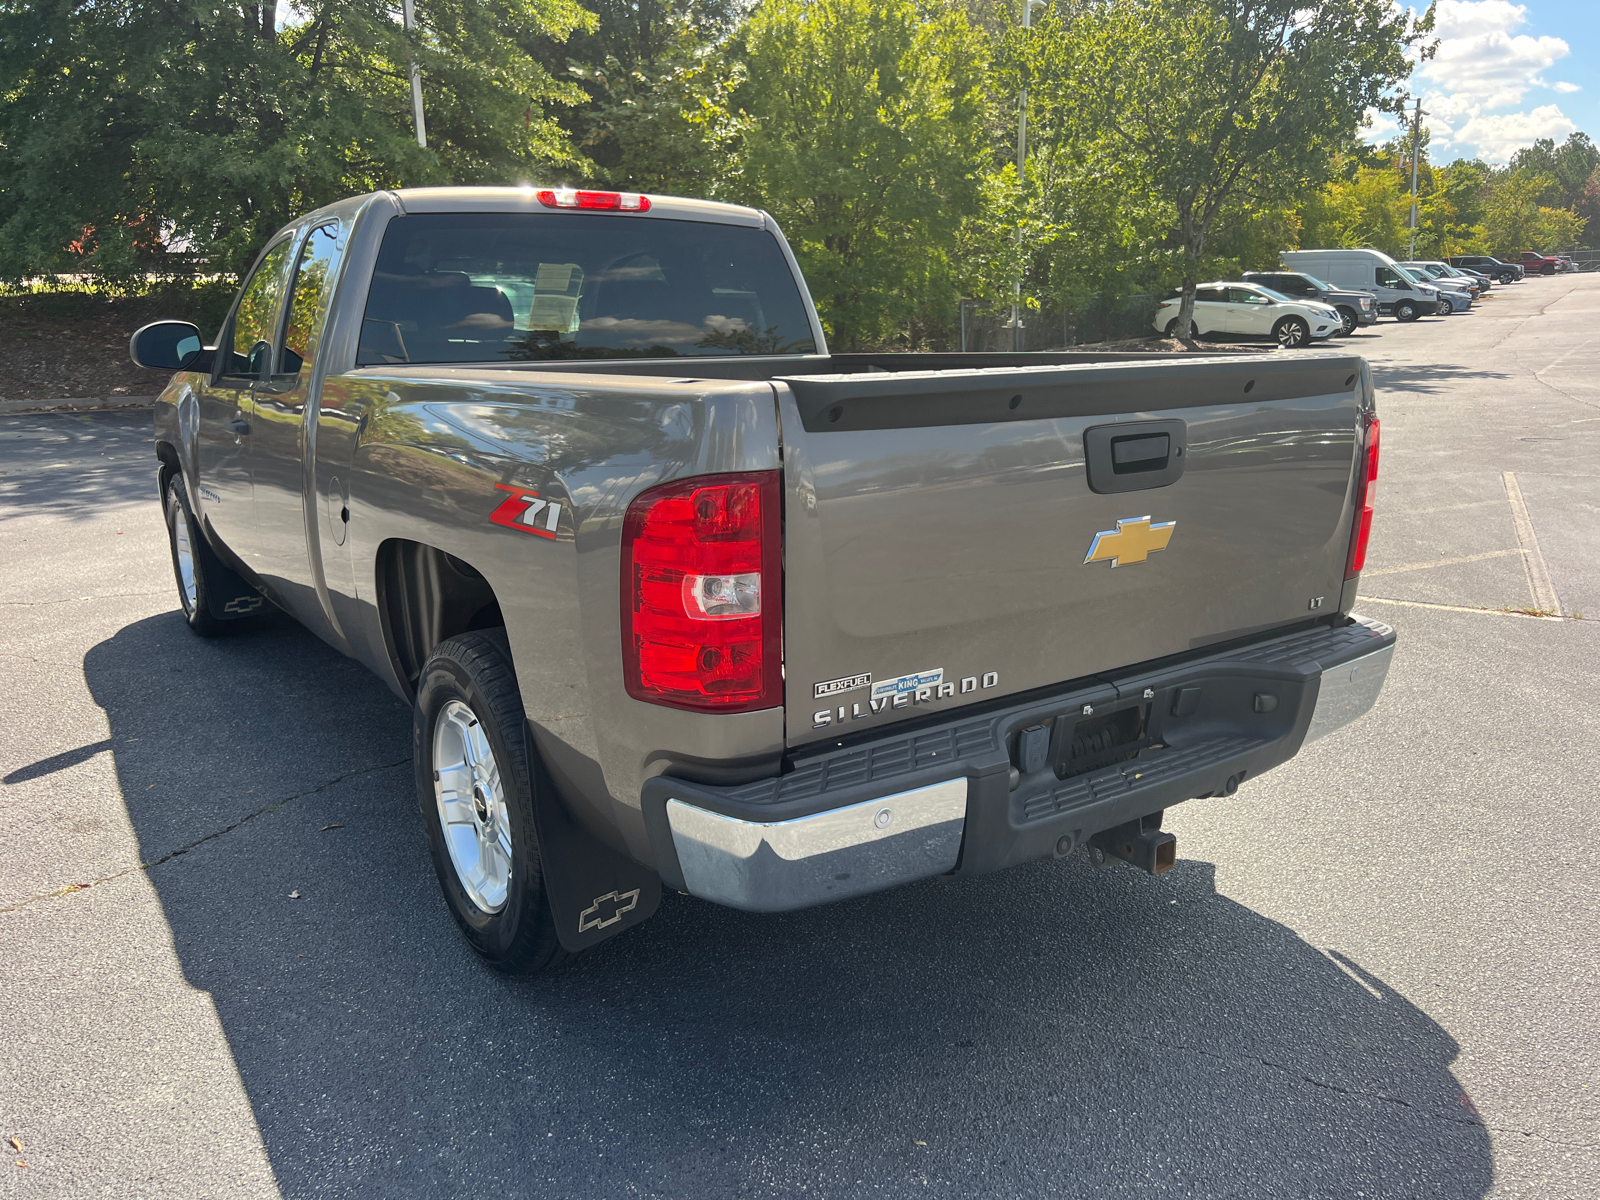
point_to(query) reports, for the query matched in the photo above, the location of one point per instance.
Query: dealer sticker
(908, 683)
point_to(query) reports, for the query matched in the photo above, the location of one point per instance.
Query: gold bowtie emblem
(1132, 541)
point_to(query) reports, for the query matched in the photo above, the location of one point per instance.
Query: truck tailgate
(954, 537)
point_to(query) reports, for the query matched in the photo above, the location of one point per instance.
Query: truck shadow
(1052, 1029)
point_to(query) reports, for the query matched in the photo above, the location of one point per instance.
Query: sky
(1505, 75)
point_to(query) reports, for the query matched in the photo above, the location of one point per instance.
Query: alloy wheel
(472, 806)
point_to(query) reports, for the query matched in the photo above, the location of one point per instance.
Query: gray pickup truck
(680, 598)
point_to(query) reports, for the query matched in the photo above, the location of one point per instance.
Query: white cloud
(1480, 64)
(1378, 126)
(1499, 136)
(1566, 88)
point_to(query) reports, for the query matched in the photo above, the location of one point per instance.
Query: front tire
(1446, 306)
(475, 784)
(1405, 310)
(1348, 321)
(1291, 332)
(188, 547)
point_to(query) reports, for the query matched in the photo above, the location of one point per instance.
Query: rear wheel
(1291, 332)
(475, 789)
(1348, 321)
(188, 545)
(1172, 329)
(1405, 310)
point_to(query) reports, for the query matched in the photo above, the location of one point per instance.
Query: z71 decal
(524, 510)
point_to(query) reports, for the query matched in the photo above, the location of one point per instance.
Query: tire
(188, 546)
(469, 712)
(1405, 310)
(1446, 305)
(1547, 270)
(1348, 321)
(1291, 332)
(1507, 278)
(1172, 329)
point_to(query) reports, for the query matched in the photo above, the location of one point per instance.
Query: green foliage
(863, 133)
(1222, 109)
(130, 123)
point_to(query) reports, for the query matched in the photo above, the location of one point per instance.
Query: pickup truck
(680, 599)
(1535, 263)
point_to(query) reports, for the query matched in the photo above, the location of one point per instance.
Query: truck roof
(525, 199)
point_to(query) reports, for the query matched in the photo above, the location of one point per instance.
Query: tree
(1221, 106)
(863, 133)
(1366, 208)
(132, 123)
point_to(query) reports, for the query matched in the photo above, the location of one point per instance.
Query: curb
(11, 408)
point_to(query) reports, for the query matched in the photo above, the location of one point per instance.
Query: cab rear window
(520, 287)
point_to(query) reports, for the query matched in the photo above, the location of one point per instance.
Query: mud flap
(594, 892)
(227, 596)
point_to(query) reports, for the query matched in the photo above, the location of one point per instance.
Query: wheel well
(425, 596)
(167, 456)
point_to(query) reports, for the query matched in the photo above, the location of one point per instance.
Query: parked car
(1455, 295)
(1539, 264)
(677, 598)
(1398, 295)
(1503, 272)
(1249, 310)
(1354, 308)
(1436, 270)
(1567, 266)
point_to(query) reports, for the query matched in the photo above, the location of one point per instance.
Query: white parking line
(1482, 612)
(1442, 562)
(1544, 592)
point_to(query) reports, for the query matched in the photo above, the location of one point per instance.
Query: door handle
(239, 427)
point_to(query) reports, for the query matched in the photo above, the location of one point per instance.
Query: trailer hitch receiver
(1148, 849)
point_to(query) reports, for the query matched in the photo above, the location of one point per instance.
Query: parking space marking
(1462, 608)
(1444, 562)
(1544, 592)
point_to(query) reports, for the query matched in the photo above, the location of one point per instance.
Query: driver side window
(1387, 278)
(249, 341)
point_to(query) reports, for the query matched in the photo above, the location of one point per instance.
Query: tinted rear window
(521, 287)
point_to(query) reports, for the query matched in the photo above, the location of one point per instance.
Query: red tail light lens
(1367, 491)
(573, 198)
(702, 594)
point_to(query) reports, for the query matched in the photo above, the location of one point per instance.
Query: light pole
(1416, 126)
(409, 20)
(1022, 180)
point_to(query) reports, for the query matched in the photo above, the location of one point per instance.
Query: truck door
(280, 450)
(227, 405)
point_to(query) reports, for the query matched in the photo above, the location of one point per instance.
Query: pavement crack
(1299, 1074)
(72, 888)
(77, 599)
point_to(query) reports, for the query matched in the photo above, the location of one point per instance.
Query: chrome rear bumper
(961, 797)
(1348, 691)
(780, 865)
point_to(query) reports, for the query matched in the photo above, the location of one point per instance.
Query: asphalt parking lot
(1372, 973)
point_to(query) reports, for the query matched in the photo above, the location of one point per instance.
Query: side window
(308, 301)
(249, 341)
(1209, 296)
(1387, 278)
(1245, 296)
(1297, 285)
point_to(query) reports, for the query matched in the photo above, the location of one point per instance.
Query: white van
(1399, 294)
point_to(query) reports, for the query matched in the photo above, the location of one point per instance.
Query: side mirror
(166, 346)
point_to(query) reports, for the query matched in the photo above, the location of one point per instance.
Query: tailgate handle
(1135, 455)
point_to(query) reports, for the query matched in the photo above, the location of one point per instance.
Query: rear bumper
(977, 794)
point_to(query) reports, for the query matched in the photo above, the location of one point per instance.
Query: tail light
(702, 594)
(573, 198)
(1366, 491)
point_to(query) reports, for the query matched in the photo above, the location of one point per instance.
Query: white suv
(1250, 309)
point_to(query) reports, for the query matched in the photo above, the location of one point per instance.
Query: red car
(1541, 264)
